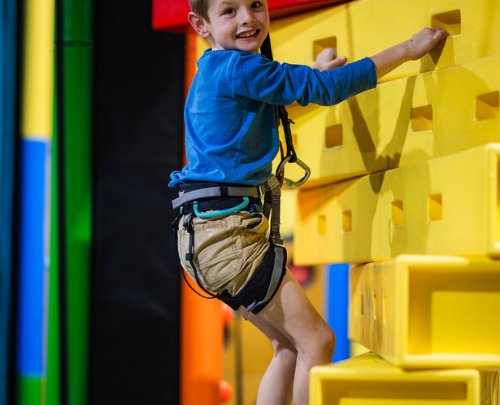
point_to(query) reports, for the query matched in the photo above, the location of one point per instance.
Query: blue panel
(32, 263)
(7, 137)
(337, 304)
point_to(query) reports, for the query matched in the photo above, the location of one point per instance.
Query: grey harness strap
(211, 192)
(272, 206)
(273, 285)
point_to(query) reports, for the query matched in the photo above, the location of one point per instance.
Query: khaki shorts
(227, 250)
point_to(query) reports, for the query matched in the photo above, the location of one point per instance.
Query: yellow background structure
(400, 174)
(444, 206)
(428, 311)
(361, 29)
(378, 130)
(369, 380)
(401, 123)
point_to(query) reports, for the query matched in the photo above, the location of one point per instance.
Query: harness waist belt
(219, 191)
(270, 189)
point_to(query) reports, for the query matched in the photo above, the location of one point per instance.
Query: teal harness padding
(215, 214)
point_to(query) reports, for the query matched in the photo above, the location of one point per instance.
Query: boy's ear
(199, 25)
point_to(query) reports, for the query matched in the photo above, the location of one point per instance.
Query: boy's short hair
(200, 7)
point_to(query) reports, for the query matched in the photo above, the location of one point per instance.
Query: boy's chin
(250, 48)
(253, 47)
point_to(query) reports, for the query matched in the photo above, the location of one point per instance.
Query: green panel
(77, 34)
(77, 21)
(78, 198)
(30, 391)
(53, 369)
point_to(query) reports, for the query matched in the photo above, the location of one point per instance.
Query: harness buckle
(188, 224)
(261, 188)
(175, 225)
(277, 241)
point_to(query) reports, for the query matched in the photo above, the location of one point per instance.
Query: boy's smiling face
(234, 24)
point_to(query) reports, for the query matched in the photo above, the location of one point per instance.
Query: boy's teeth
(247, 34)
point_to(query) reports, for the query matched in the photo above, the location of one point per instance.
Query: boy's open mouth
(248, 34)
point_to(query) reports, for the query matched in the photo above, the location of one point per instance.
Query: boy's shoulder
(233, 65)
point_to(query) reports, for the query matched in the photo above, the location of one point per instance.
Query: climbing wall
(404, 187)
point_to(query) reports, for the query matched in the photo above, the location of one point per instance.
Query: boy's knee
(331, 342)
(320, 342)
(328, 339)
(325, 342)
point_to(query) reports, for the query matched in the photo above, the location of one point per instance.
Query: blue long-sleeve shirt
(230, 114)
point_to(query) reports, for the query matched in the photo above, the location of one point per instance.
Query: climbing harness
(266, 195)
(269, 192)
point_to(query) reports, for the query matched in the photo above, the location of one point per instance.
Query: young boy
(231, 141)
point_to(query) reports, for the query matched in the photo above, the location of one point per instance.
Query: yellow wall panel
(370, 380)
(428, 311)
(38, 65)
(445, 206)
(401, 123)
(364, 28)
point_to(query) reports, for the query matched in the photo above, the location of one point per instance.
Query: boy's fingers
(337, 62)
(437, 29)
(329, 53)
(441, 34)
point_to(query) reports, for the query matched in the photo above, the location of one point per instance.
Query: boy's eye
(229, 11)
(256, 4)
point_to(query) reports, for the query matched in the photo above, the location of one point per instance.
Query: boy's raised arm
(412, 49)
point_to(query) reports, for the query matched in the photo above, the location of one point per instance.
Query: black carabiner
(288, 182)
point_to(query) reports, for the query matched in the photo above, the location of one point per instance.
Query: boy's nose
(248, 16)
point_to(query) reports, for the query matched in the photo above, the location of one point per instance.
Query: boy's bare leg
(276, 387)
(291, 313)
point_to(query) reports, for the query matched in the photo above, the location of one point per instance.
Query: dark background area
(138, 133)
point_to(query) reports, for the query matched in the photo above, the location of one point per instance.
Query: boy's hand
(414, 48)
(327, 60)
(424, 41)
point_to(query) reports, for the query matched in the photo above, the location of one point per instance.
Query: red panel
(171, 15)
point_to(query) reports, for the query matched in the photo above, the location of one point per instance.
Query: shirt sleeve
(257, 78)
